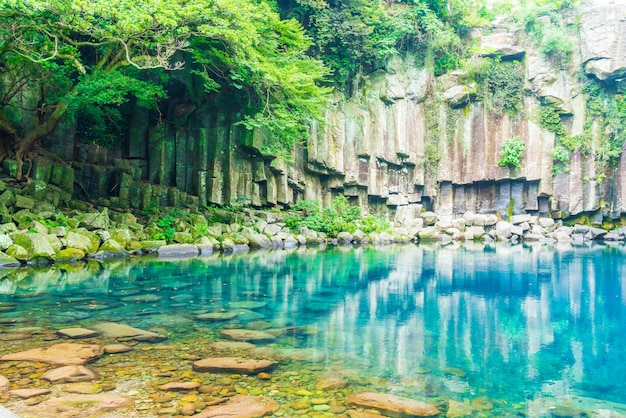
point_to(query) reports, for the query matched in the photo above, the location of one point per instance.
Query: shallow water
(523, 329)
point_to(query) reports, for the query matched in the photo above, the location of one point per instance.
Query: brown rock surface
(233, 365)
(65, 354)
(232, 345)
(241, 406)
(4, 384)
(28, 393)
(391, 405)
(68, 374)
(115, 330)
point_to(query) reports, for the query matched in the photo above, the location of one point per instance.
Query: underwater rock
(116, 348)
(65, 354)
(69, 374)
(217, 316)
(241, 406)
(115, 330)
(232, 345)
(77, 333)
(392, 405)
(233, 365)
(81, 405)
(247, 335)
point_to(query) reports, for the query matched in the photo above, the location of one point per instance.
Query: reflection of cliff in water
(505, 314)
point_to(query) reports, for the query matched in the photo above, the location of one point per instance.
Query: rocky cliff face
(404, 138)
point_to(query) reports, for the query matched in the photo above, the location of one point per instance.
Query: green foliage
(60, 220)
(550, 119)
(502, 84)
(511, 153)
(371, 223)
(609, 111)
(543, 22)
(89, 58)
(560, 155)
(339, 216)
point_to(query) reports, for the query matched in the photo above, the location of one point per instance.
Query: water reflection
(512, 322)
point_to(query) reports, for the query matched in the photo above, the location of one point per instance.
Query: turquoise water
(516, 324)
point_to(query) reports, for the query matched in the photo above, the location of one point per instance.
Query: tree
(96, 55)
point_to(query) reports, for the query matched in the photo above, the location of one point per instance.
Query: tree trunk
(25, 147)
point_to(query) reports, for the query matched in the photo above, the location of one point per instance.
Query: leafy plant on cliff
(608, 111)
(511, 153)
(560, 156)
(502, 84)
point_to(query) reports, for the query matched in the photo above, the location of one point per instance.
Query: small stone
(304, 392)
(67, 374)
(264, 376)
(177, 386)
(188, 409)
(332, 383)
(116, 348)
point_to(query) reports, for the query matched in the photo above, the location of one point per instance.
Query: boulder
(503, 230)
(69, 254)
(391, 405)
(178, 250)
(64, 353)
(344, 238)
(233, 365)
(258, 241)
(36, 245)
(110, 249)
(69, 374)
(8, 261)
(78, 241)
(95, 220)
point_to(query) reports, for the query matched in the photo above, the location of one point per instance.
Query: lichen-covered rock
(78, 241)
(5, 241)
(110, 249)
(94, 239)
(18, 252)
(8, 261)
(258, 241)
(37, 245)
(69, 254)
(95, 220)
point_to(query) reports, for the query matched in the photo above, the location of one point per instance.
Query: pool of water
(521, 328)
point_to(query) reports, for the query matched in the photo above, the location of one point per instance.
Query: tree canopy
(92, 56)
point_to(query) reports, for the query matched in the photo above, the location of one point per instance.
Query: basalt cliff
(402, 139)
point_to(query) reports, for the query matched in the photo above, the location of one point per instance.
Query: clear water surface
(524, 327)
